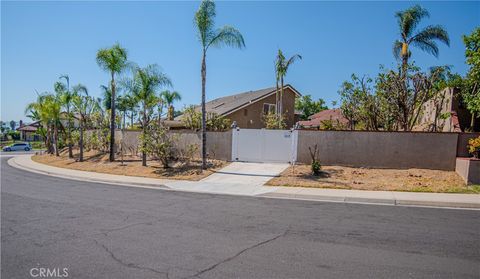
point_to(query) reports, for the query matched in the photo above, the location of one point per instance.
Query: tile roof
(225, 105)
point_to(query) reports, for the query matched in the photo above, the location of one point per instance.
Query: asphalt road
(106, 231)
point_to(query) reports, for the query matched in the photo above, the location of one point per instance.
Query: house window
(268, 108)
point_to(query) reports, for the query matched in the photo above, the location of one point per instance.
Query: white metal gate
(261, 145)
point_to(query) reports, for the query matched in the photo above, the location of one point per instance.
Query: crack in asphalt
(130, 265)
(238, 254)
(106, 232)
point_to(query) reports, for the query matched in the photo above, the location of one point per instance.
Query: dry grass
(98, 162)
(411, 180)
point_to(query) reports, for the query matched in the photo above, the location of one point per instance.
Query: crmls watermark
(46, 272)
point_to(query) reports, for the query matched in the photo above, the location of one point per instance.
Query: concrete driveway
(239, 178)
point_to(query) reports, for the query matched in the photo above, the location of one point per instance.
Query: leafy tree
(144, 84)
(281, 68)
(308, 106)
(169, 97)
(113, 60)
(273, 121)
(13, 124)
(424, 39)
(84, 105)
(158, 143)
(210, 36)
(471, 92)
(192, 119)
(66, 99)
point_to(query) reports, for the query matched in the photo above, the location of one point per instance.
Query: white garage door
(261, 145)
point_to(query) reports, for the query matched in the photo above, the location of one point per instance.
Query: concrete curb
(11, 162)
(361, 200)
(343, 196)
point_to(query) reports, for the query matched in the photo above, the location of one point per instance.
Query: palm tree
(144, 84)
(281, 67)
(84, 105)
(66, 100)
(424, 39)
(169, 97)
(113, 60)
(209, 36)
(38, 111)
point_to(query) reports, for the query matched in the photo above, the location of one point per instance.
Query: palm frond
(410, 18)
(229, 36)
(397, 49)
(428, 46)
(433, 32)
(205, 21)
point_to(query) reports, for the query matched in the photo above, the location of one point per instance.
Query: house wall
(250, 117)
(380, 149)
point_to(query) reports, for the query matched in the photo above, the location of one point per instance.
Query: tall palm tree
(210, 36)
(281, 67)
(144, 84)
(113, 60)
(424, 39)
(84, 106)
(66, 99)
(169, 97)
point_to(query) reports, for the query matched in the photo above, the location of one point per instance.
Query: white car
(21, 146)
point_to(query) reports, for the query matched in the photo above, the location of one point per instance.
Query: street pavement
(97, 230)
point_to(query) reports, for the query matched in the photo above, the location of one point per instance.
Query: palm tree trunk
(204, 114)
(112, 121)
(69, 134)
(281, 103)
(144, 154)
(81, 141)
(276, 99)
(55, 137)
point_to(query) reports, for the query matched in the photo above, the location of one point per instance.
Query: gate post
(294, 146)
(235, 144)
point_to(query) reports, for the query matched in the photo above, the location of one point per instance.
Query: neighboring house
(445, 113)
(248, 108)
(29, 132)
(324, 118)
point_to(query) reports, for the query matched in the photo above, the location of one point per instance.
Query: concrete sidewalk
(248, 179)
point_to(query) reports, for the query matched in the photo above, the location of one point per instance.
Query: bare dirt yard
(411, 180)
(98, 162)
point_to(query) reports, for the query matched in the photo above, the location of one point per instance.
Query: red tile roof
(329, 114)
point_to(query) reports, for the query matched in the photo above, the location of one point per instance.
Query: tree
(424, 39)
(309, 107)
(48, 108)
(471, 91)
(113, 60)
(406, 93)
(84, 106)
(66, 99)
(210, 36)
(169, 97)
(144, 84)
(106, 97)
(281, 67)
(13, 124)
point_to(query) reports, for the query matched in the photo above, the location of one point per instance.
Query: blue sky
(42, 40)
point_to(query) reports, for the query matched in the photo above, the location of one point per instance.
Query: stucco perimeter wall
(219, 144)
(380, 149)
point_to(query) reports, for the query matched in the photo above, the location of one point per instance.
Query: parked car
(21, 146)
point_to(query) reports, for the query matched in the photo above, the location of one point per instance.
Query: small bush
(273, 121)
(316, 167)
(474, 147)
